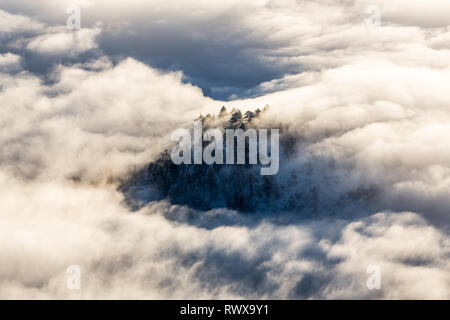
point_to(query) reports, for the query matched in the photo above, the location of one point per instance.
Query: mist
(364, 109)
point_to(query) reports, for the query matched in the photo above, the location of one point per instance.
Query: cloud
(145, 255)
(429, 14)
(14, 23)
(65, 42)
(273, 39)
(9, 62)
(97, 116)
(367, 107)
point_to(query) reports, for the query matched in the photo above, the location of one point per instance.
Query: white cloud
(374, 100)
(10, 23)
(145, 255)
(9, 62)
(100, 117)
